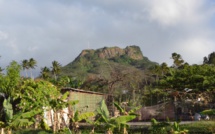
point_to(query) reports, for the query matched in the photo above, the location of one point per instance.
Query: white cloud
(174, 12)
(59, 30)
(194, 49)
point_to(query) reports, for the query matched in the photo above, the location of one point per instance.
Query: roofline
(81, 90)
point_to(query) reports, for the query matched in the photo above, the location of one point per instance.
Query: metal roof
(80, 90)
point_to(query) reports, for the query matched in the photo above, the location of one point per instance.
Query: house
(89, 101)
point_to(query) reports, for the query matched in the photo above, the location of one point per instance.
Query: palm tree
(56, 68)
(25, 66)
(45, 72)
(32, 64)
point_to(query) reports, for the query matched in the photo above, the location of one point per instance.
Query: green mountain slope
(102, 61)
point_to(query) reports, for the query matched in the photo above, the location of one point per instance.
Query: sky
(49, 30)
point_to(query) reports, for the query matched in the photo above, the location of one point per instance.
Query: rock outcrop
(132, 52)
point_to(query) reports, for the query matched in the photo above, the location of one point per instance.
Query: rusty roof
(81, 90)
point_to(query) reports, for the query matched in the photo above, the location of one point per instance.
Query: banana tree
(24, 119)
(176, 129)
(7, 111)
(112, 123)
(124, 112)
(77, 117)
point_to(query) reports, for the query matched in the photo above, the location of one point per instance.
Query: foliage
(159, 127)
(77, 117)
(26, 119)
(28, 64)
(45, 73)
(124, 112)
(200, 127)
(210, 59)
(176, 129)
(112, 123)
(89, 66)
(177, 60)
(8, 110)
(208, 112)
(36, 94)
(166, 128)
(10, 82)
(56, 68)
(199, 77)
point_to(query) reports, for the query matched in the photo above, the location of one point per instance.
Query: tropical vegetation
(128, 76)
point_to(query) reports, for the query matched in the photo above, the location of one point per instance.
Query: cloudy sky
(59, 30)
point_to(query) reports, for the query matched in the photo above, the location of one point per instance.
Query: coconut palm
(25, 66)
(56, 68)
(32, 64)
(45, 72)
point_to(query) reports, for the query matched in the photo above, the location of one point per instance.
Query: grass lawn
(200, 127)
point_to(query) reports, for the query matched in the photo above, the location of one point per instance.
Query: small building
(89, 101)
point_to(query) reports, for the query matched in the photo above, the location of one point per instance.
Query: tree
(56, 68)
(198, 77)
(40, 96)
(156, 72)
(210, 59)
(25, 66)
(45, 72)
(164, 68)
(9, 88)
(32, 64)
(9, 83)
(177, 60)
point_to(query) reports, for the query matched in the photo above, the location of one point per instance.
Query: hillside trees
(210, 59)
(177, 60)
(199, 77)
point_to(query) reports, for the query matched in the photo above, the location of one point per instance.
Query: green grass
(200, 127)
(30, 131)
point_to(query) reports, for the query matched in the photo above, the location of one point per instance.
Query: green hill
(102, 61)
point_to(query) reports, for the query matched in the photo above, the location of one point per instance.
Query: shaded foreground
(194, 127)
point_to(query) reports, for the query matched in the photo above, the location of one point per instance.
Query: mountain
(100, 62)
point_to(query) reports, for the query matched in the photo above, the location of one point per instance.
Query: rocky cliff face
(132, 52)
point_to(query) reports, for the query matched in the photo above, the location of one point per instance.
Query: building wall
(87, 102)
(159, 112)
